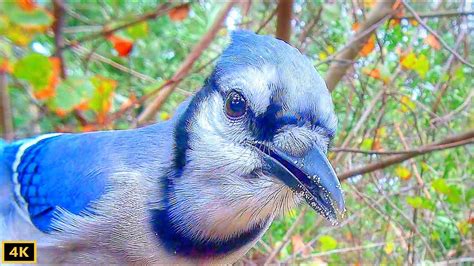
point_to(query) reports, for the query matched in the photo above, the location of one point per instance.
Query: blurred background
(400, 72)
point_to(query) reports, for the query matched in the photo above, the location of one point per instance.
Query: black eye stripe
(235, 105)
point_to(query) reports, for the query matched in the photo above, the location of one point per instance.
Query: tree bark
(58, 7)
(284, 15)
(5, 109)
(338, 68)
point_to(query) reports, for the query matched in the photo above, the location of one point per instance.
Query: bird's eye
(235, 105)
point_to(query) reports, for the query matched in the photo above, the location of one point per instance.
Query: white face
(230, 167)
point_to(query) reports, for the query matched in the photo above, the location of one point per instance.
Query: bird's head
(254, 138)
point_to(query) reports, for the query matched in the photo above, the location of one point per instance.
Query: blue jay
(202, 187)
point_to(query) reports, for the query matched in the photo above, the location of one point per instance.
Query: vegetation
(400, 75)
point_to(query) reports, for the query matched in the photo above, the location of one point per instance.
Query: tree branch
(381, 12)
(160, 11)
(5, 109)
(440, 14)
(449, 142)
(58, 7)
(185, 67)
(284, 15)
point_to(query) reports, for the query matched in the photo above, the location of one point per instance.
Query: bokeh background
(400, 72)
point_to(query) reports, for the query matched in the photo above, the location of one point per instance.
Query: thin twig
(438, 14)
(185, 67)
(441, 85)
(264, 24)
(160, 10)
(430, 30)
(449, 142)
(286, 238)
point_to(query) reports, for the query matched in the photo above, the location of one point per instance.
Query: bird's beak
(311, 176)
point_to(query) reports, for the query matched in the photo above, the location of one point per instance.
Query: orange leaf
(299, 245)
(368, 46)
(88, 128)
(27, 5)
(470, 220)
(355, 26)
(5, 65)
(60, 112)
(433, 42)
(50, 89)
(377, 145)
(179, 13)
(121, 45)
(394, 22)
(374, 73)
(83, 106)
(414, 22)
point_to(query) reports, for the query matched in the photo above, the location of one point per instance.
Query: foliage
(419, 210)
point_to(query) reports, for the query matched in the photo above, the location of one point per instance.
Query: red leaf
(121, 45)
(179, 13)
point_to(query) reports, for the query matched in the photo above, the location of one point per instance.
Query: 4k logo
(19, 252)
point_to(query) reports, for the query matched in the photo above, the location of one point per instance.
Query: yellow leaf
(403, 172)
(369, 3)
(408, 61)
(407, 104)
(164, 116)
(463, 227)
(419, 64)
(389, 247)
(330, 49)
(323, 55)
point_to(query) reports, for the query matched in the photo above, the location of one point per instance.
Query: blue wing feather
(57, 172)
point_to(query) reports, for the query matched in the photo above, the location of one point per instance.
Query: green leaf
(137, 31)
(367, 144)
(103, 91)
(101, 101)
(435, 236)
(37, 17)
(454, 194)
(469, 195)
(415, 202)
(34, 68)
(440, 186)
(70, 93)
(327, 243)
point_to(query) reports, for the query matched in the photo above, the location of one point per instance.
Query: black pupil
(235, 105)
